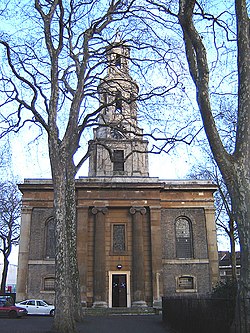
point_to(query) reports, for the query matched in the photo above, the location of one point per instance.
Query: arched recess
(184, 238)
(50, 244)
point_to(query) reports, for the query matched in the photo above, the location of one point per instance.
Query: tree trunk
(233, 251)
(241, 203)
(67, 286)
(234, 167)
(4, 274)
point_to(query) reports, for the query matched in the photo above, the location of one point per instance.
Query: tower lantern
(118, 148)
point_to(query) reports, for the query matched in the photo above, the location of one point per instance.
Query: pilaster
(23, 255)
(212, 245)
(156, 250)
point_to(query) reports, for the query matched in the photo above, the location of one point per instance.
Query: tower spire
(118, 147)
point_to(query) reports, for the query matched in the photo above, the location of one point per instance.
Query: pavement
(90, 324)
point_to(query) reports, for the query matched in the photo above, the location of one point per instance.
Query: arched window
(118, 61)
(50, 239)
(118, 102)
(183, 237)
(105, 102)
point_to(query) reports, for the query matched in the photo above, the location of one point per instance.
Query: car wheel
(52, 313)
(12, 314)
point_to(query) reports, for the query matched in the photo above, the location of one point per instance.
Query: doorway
(119, 287)
(119, 290)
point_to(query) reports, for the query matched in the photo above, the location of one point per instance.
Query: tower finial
(118, 36)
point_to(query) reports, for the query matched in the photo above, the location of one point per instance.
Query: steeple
(118, 147)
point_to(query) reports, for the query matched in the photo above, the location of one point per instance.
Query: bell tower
(118, 148)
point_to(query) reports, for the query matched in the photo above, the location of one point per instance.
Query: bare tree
(206, 168)
(52, 84)
(4, 6)
(234, 167)
(10, 213)
(211, 32)
(50, 79)
(225, 221)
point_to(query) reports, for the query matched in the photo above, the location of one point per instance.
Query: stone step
(118, 311)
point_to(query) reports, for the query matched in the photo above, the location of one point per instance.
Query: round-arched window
(183, 235)
(50, 239)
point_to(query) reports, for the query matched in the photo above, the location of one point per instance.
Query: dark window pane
(105, 102)
(183, 248)
(118, 102)
(118, 60)
(50, 239)
(118, 160)
(118, 237)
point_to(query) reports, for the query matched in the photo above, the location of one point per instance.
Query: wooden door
(119, 290)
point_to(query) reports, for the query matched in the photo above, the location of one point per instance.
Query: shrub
(226, 289)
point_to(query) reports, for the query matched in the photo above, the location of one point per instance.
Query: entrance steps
(118, 311)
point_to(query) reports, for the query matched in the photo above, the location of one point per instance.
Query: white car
(37, 307)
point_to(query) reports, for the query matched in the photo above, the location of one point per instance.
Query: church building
(139, 238)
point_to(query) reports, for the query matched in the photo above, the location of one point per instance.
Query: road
(90, 324)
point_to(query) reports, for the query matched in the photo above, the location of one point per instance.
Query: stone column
(23, 255)
(100, 299)
(138, 275)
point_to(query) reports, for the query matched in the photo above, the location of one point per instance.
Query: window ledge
(185, 261)
(186, 290)
(42, 262)
(125, 253)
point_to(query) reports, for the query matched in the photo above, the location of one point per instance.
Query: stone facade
(139, 238)
(147, 211)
